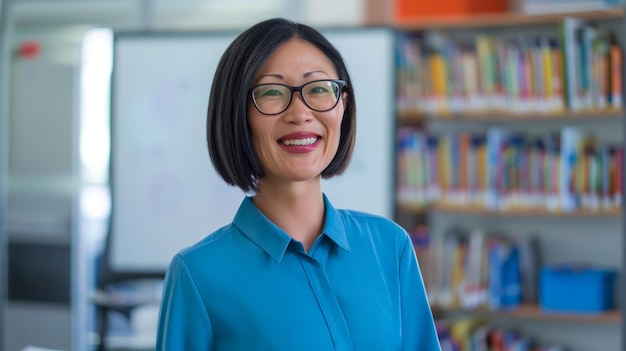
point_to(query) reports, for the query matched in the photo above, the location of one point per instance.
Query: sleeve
(184, 323)
(418, 327)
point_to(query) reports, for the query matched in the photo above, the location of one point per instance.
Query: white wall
(41, 113)
(3, 169)
(40, 173)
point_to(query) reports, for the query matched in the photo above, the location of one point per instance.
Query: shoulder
(376, 227)
(353, 217)
(214, 245)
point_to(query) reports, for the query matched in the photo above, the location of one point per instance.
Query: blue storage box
(576, 289)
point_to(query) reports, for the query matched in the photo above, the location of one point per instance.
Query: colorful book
(570, 154)
(571, 61)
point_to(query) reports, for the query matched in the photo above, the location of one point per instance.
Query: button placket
(327, 302)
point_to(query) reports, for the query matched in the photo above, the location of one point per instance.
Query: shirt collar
(334, 228)
(273, 240)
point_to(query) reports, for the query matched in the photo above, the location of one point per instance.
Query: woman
(291, 272)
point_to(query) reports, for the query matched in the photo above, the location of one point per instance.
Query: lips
(299, 142)
(299, 139)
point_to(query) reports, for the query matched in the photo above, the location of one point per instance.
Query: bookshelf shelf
(490, 116)
(507, 19)
(534, 312)
(413, 209)
(521, 212)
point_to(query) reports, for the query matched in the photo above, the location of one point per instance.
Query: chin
(307, 177)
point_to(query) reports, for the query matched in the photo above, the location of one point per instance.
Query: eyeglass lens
(275, 98)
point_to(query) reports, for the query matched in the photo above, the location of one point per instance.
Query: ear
(344, 99)
(344, 104)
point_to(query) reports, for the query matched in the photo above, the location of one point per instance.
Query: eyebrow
(280, 76)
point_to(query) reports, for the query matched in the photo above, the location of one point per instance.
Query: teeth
(305, 141)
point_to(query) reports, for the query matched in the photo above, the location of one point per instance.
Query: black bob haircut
(228, 136)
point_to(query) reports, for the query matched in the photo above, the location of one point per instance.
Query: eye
(269, 91)
(273, 92)
(321, 88)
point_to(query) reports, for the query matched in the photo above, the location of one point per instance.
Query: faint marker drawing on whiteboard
(165, 194)
(228, 197)
(171, 97)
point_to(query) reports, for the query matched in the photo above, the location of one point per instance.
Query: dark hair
(228, 136)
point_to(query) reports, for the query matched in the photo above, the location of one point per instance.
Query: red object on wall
(408, 10)
(29, 50)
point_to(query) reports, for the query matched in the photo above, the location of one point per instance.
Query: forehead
(296, 55)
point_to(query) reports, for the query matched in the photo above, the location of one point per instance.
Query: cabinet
(510, 141)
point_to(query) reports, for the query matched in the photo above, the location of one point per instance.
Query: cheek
(338, 119)
(334, 127)
(260, 134)
(255, 124)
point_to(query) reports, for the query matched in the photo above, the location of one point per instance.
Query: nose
(298, 112)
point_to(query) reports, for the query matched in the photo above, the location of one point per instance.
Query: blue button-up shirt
(249, 286)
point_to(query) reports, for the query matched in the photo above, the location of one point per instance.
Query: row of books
(481, 270)
(560, 171)
(577, 69)
(475, 334)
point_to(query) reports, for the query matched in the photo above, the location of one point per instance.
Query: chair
(124, 293)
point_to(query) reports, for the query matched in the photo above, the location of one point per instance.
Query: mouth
(300, 141)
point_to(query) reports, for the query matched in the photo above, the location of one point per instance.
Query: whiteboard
(165, 193)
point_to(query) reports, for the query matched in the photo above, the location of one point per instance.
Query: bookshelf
(408, 117)
(533, 312)
(503, 19)
(442, 208)
(523, 212)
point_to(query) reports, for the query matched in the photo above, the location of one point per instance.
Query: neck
(298, 209)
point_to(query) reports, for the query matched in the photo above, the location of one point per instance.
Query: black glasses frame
(341, 83)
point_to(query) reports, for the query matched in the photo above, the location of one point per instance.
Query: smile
(300, 142)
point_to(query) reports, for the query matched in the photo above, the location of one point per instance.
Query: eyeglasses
(318, 95)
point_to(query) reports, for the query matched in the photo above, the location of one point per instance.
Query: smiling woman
(291, 272)
(296, 144)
